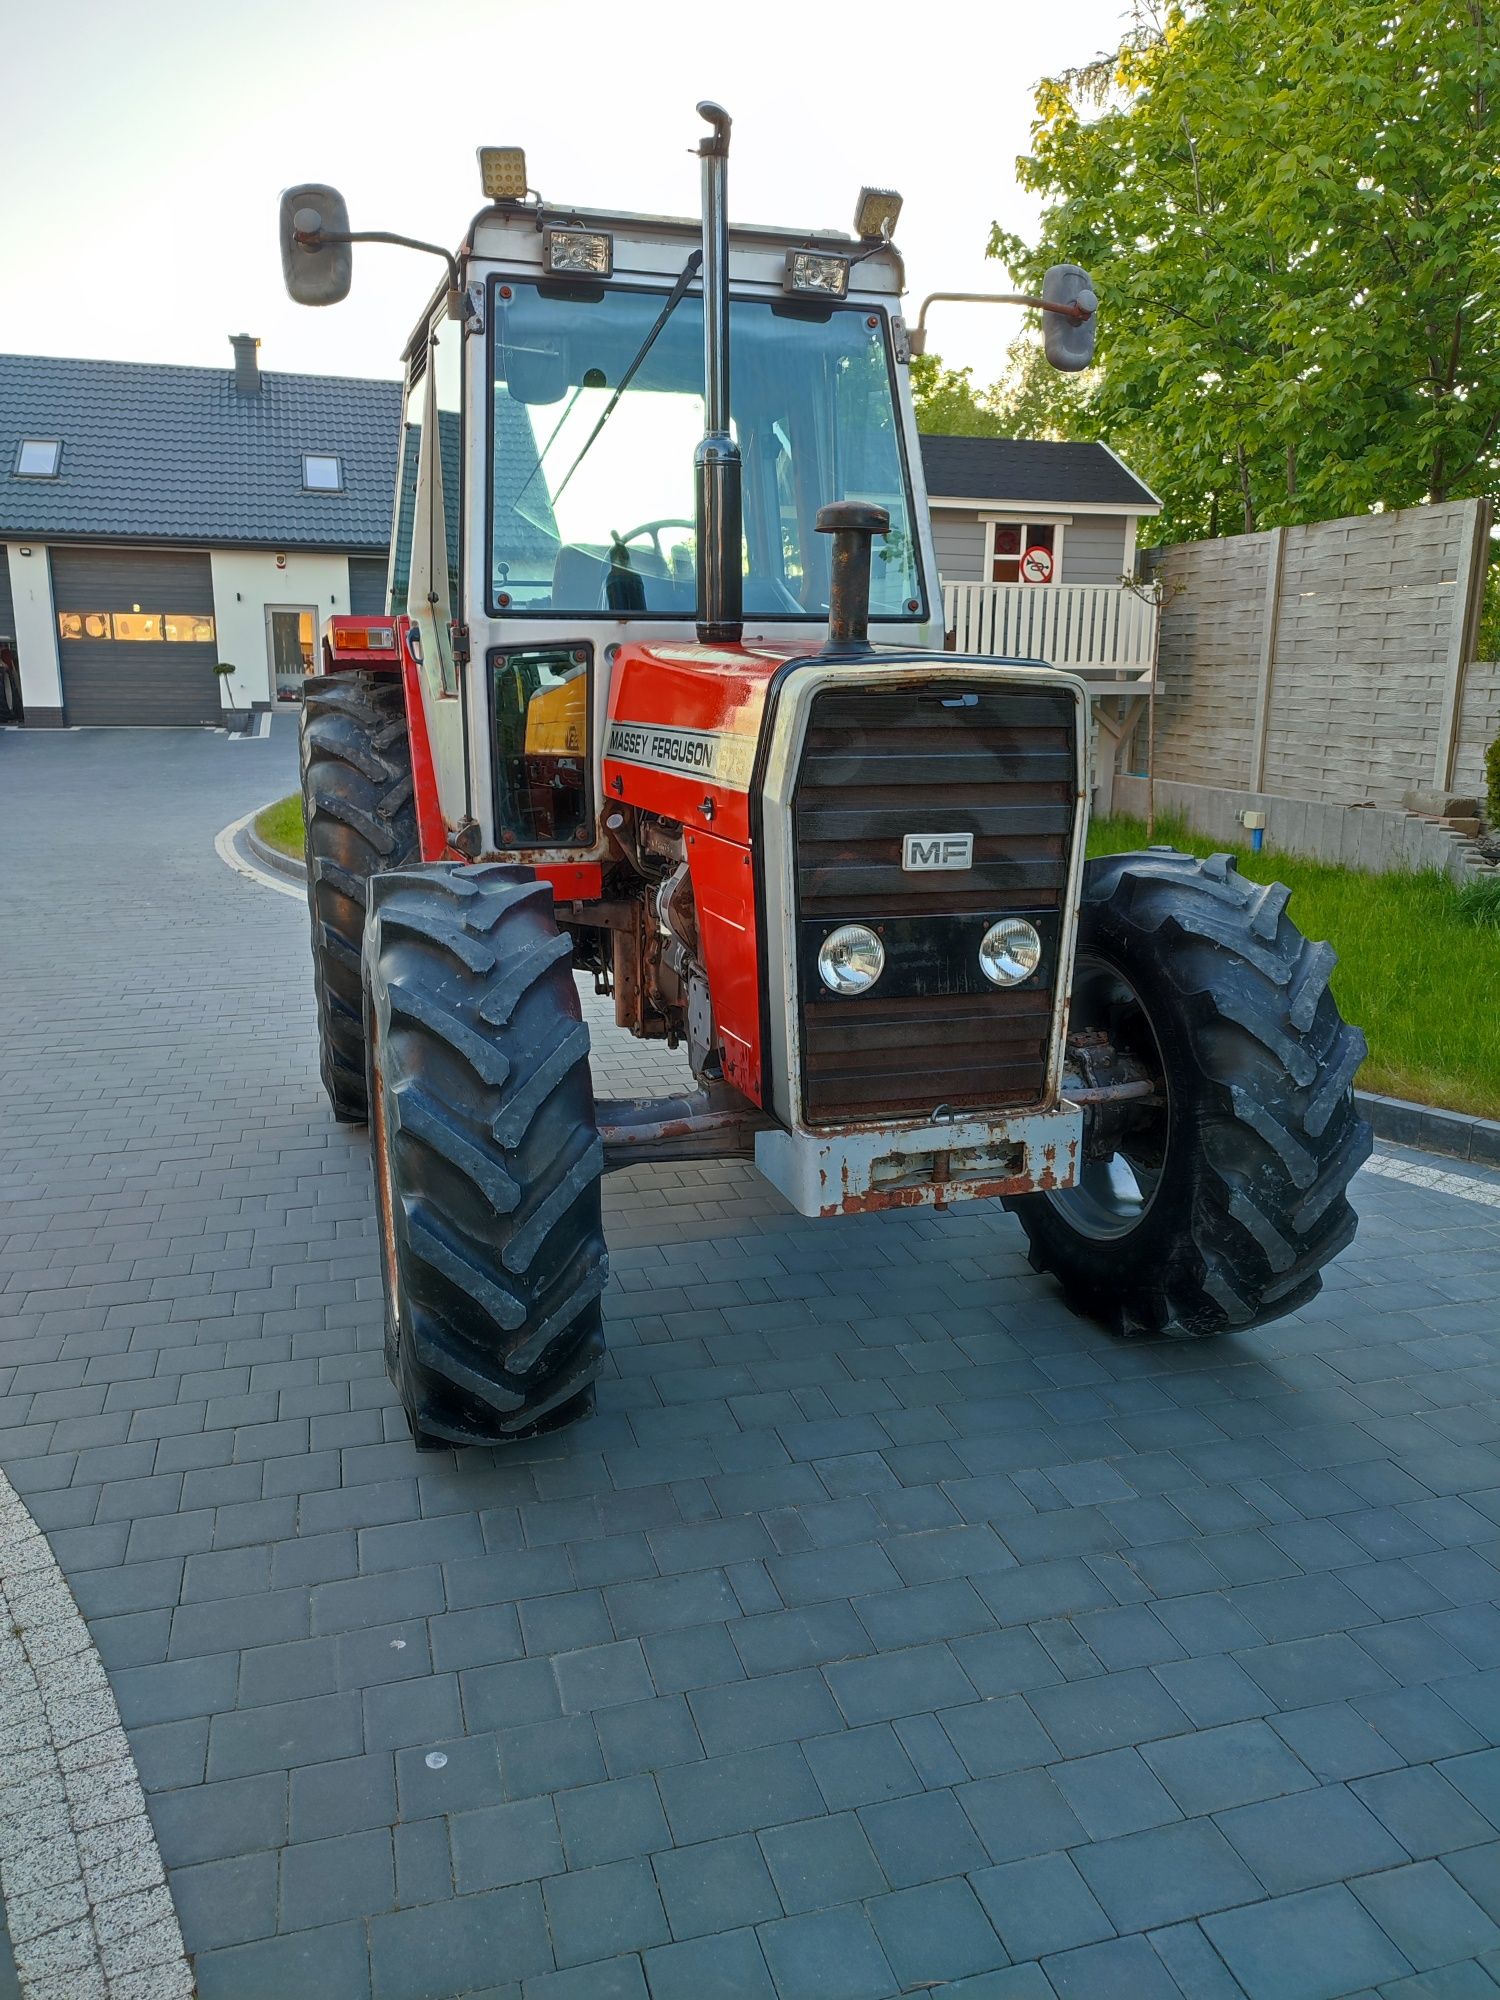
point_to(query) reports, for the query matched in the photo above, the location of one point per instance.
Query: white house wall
(36, 631)
(245, 582)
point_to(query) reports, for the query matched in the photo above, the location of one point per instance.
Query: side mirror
(1069, 342)
(315, 274)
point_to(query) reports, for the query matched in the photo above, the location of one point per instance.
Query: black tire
(487, 1155)
(360, 819)
(1243, 1167)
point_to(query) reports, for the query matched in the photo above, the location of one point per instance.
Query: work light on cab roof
(660, 702)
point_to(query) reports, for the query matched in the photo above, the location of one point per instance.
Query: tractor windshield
(591, 518)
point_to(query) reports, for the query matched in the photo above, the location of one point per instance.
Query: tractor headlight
(588, 253)
(850, 959)
(1009, 951)
(816, 272)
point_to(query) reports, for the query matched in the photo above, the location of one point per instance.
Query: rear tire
(487, 1156)
(360, 820)
(1219, 1208)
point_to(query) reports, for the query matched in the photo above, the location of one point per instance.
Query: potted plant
(234, 718)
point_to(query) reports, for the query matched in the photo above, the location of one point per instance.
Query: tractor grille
(878, 764)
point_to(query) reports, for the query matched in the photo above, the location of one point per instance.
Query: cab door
(433, 587)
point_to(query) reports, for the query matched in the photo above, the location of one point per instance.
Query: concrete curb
(1451, 1133)
(272, 857)
(1429, 1130)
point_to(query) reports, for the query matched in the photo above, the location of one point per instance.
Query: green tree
(1030, 400)
(1290, 210)
(948, 404)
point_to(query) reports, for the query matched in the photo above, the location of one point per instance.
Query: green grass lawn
(280, 826)
(1417, 973)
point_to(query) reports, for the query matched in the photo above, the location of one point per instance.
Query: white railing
(1065, 624)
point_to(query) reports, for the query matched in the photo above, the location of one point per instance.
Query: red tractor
(693, 735)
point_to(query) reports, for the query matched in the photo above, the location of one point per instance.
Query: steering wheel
(654, 530)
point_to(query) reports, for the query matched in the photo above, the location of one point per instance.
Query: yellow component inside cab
(556, 719)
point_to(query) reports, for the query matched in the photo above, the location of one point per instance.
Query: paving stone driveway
(887, 1629)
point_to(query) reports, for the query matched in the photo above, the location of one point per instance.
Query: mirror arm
(917, 335)
(314, 239)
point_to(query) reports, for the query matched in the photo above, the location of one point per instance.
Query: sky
(145, 146)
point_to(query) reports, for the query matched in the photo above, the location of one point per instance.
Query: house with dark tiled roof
(158, 521)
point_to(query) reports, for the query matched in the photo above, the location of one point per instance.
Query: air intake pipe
(853, 524)
(716, 463)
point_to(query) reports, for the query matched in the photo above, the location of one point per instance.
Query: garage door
(135, 637)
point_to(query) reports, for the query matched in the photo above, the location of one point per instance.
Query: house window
(1013, 539)
(322, 472)
(38, 458)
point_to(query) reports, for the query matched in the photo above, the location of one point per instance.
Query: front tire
(487, 1156)
(1218, 1206)
(360, 819)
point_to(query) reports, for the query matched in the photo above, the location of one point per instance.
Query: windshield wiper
(674, 299)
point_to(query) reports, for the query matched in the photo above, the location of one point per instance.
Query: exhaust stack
(853, 525)
(716, 463)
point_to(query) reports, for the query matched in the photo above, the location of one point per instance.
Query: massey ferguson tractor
(660, 699)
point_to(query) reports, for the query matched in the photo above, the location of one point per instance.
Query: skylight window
(322, 472)
(39, 458)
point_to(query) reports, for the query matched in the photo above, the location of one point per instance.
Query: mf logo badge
(922, 853)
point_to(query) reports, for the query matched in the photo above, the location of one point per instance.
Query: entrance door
(291, 639)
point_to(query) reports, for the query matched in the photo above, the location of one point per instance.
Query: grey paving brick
(1300, 1947)
(284, 1734)
(1309, 1838)
(478, 1638)
(175, 1689)
(1107, 1713)
(1126, 1967)
(997, 1736)
(433, 1952)
(1425, 1813)
(333, 1959)
(937, 1932)
(1165, 1875)
(403, 1713)
(730, 1966)
(213, 1822)
(612, 1979)
(222, 1903)
(902, 1683)
(543, 1757)
(498, 1846)
(343, 1797)
(611, 1822)
(647, 1736)
(325, 1881)
(1303, 1672)
(1418, 1724)
(602, 1676)
(780, 1708)
(1218, 1768)
(861, 1766)
(424, 1861)
(513, 1692)
(287, 1672)
(716, 1885)
(698, 1656)
(171, 1754)
(1020, 1814)
(827, 1955)
(597, 1913)
(818, 1864)
(922, 1838)
(665, 1604)
(1041, 1906)
(1337, 1740)
(738, 1793)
